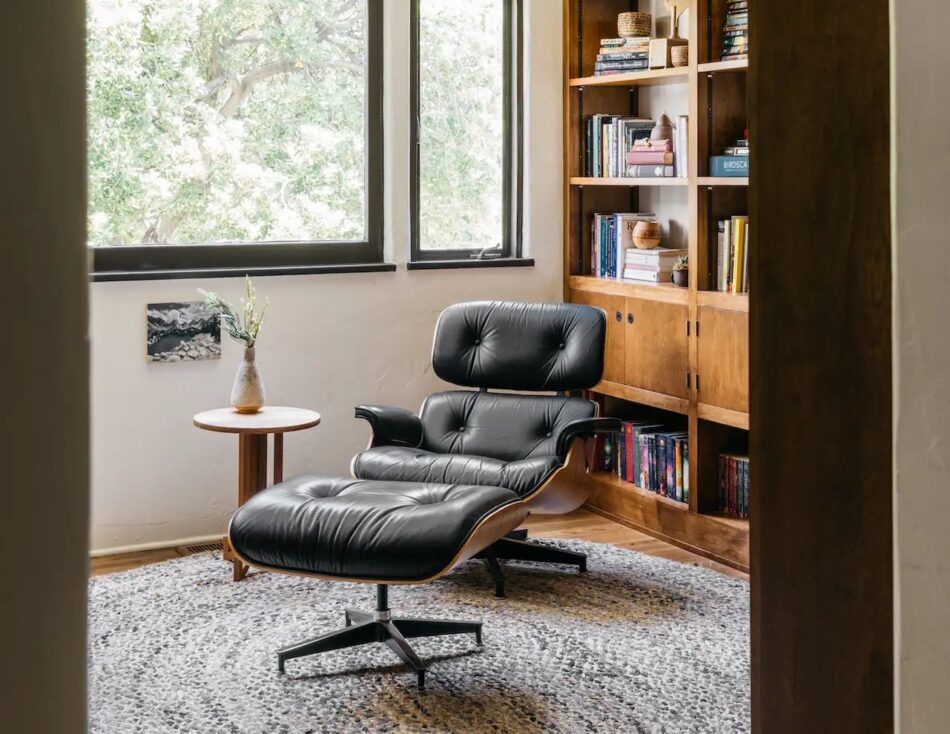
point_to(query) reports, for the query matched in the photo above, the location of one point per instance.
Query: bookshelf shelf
(640, 396)
(615, 482)
(587, 181)
(727, 301)
(666, 292)
(722, 416)
(653, 78)
(722, 181)
(714, 67)
(676, 355)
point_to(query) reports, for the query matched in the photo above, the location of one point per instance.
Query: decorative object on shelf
(634, 24)
(647, 235)
(182, 332)
(661, 48)
(681, 271)
(680, 55)
(247, 393)
(663, 130)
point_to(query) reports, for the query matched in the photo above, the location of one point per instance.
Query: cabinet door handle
(629, 318)
(618, 316)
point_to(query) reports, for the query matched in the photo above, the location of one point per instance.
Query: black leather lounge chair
(530, 444)
(449, 485)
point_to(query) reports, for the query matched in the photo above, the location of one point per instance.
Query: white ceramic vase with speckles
(247, 394)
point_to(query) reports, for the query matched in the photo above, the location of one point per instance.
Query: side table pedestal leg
(252, 478)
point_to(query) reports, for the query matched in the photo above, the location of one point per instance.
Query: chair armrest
(392, 426)
(585, 428)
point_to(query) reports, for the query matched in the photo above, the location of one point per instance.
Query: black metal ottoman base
(379, 626)
(516, 547)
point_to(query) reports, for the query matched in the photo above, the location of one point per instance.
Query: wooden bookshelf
(680, 351)
(722, 181)
(714, 67)
(586, 181)
(634, 79)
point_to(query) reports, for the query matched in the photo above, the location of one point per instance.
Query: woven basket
(634, 25)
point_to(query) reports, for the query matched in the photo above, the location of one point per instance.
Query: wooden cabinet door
(657, 347)
(614, 349)
(723, 366)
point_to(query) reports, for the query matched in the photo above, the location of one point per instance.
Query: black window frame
(513, 154)
(154, 262)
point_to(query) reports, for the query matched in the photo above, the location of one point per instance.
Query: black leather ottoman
(379, 532)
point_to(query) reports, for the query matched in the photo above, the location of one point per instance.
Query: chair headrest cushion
(520, 346)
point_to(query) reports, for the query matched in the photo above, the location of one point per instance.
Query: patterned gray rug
(638, 644)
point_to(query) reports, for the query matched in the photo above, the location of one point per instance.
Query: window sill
(500, 262)
(106, 276)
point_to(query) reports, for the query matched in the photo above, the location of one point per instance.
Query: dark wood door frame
(820, 333)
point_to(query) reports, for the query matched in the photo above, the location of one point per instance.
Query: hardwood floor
(579, 525)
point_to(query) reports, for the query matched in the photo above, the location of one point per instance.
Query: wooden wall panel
(820, 329)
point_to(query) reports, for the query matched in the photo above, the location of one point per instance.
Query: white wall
(330, 341)
(921, 186)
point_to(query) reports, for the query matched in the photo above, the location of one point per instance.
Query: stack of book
(734, 485)
(611, 237)
(649, 455)
(734, 161)
(732, 255)
(618, 146)
(654, 266)
(735, 32)
(622, 55)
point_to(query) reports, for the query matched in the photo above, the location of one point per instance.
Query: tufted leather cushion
(520, 346)
(498, 425)
(361, 529)
(416, 465)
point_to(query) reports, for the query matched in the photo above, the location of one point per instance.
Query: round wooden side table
(252, 430)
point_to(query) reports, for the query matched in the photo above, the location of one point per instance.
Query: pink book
(637, 157)
(653, 148)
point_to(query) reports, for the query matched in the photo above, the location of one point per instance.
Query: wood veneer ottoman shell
(634, 25)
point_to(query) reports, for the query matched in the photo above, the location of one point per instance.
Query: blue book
(729, 165)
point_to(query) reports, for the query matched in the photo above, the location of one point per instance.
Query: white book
(652, 276)
(659, 256)
(681, 148)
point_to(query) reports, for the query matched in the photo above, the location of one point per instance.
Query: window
(234, 134)
(466, 129)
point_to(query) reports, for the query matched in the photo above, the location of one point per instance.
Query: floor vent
(206, 547)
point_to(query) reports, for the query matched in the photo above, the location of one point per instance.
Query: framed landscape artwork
(182, 332)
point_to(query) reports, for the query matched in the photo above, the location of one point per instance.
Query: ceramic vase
(247, 394)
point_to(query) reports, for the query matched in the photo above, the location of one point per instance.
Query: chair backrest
(520, 346)
(502, 426)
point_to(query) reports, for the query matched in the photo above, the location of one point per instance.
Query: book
(681, 146)
(622, 57)
(647, 171)
(734, 487)
(624, 65)
(642, 157)
(729, 165)
(611, 237)
(654, 257)
(646, 275)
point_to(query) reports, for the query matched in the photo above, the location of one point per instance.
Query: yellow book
(738, 247)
